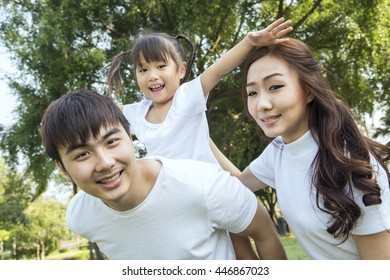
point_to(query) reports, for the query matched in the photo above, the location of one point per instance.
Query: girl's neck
(158, 112)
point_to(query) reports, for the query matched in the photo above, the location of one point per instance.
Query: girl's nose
(153, 75)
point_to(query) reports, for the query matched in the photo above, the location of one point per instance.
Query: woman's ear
(309, 97)
(63, 170)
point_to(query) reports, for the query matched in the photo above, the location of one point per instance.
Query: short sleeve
(231, 205)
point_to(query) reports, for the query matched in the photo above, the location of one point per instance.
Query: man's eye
(275, 87)
(81, 155)
(113, 141)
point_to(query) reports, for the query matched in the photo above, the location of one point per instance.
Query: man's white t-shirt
(187, 215)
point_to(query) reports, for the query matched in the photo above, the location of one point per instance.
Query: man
(151, 208)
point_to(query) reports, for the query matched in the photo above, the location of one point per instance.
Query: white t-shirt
(286, 167)
(187, 215)
(184, 133)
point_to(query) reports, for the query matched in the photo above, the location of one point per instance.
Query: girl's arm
(236, 55)
(374, 246)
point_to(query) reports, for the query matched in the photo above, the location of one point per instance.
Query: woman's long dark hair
(154, 47)
(343, 158)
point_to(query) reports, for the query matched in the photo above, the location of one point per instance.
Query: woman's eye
(252, 93)
(275, 87)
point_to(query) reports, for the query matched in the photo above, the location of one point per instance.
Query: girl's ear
(182, 69)
(62, 168)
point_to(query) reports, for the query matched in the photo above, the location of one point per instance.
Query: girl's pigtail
(191, 57)
(114, 78)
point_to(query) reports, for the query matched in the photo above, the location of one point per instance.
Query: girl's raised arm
(235, 56)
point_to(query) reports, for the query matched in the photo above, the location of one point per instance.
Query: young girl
(332, 182)
(172, 122)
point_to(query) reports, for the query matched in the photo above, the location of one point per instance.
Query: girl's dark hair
(343, 159)
(75, 117)
(154, 47)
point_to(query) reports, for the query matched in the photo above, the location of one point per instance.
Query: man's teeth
(109, 180)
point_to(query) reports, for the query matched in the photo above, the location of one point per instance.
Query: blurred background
(51, 47)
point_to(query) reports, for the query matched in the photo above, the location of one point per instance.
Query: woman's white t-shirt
(286, 168)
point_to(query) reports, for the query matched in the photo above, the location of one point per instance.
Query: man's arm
(236, 55)
(265, 236)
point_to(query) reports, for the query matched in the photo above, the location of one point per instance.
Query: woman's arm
(374, 246)
(225, 163)
(250, 181)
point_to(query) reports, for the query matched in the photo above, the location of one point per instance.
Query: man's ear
(63, 170)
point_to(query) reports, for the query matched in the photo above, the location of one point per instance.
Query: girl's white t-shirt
(184, 134)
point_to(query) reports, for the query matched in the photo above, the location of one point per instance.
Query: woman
(331, 181)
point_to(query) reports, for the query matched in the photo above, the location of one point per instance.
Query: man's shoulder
(190, 165)
(80, 200)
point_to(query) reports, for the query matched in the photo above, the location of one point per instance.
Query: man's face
(102, 167)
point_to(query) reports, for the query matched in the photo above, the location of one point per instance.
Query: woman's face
(276, 99)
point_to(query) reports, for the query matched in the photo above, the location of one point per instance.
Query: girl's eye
(141, 70)
(252, 93)
(275, 87)
(162, 66)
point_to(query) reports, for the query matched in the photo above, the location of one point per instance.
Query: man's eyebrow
(71, 148)
(109, 133)
(81, 145)
(265, 78)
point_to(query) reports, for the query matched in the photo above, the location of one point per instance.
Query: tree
(44, 230)
(63, 45)
(4, 236)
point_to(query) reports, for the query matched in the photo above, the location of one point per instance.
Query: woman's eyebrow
(265, 78)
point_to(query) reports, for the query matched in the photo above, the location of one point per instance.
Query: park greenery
(61, 45)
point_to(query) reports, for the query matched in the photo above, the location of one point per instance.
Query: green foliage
(59, 46)
(43, 231)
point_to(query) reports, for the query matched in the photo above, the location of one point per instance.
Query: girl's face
(159, 80)
(276, 99)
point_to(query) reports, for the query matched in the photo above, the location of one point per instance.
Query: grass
(293, 249)
(70, 255)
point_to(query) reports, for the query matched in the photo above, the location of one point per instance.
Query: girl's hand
(271, 34)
